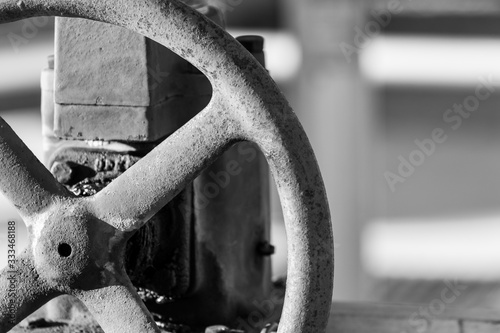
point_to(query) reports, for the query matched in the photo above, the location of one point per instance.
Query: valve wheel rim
(246, 105)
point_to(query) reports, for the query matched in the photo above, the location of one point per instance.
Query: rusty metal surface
(246, 105)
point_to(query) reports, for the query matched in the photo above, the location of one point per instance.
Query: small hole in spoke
(64, 250)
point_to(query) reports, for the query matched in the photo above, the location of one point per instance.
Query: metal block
(134, 123)
(113, 84)
(102, 64)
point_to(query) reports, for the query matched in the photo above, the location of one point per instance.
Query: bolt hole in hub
(64, 250)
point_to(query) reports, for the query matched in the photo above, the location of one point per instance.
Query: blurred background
(400, 101)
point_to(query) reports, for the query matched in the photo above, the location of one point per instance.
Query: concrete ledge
(388, 318)
(370, 318)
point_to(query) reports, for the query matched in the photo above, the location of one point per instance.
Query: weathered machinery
(126, 146)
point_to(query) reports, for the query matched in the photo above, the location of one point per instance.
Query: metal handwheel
(77, 244)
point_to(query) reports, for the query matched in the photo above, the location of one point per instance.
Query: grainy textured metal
(246, 105)
(24, 180)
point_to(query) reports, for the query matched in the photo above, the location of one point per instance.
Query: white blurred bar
(465, 247)
(429, 60)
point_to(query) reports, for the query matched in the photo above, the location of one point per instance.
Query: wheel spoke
(134, 197)
(117, 307)
(22, 291)
(24, 180)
